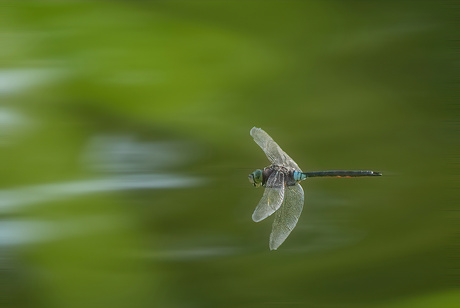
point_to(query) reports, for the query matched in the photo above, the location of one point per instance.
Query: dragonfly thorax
(288, 174)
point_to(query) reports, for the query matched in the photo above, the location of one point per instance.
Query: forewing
(287, 216)
(273, 151)
(272, 198)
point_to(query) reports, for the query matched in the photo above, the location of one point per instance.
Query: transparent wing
(273, 151)
(272, 198)
(287, 216)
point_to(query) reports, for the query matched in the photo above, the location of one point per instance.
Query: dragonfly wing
(272, 198)
(287, 216)
(273, 151)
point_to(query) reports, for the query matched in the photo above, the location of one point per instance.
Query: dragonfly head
(255, 178)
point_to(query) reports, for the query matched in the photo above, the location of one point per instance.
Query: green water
(125, 150)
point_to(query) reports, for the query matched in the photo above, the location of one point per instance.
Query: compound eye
(258, 175)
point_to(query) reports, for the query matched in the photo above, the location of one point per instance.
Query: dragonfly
(283, 194)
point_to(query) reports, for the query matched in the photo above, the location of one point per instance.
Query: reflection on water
(126, 154)
(28, 232)
(11, 200)
(116, 155)
(113, 155)
(191, 254)
(16, 80)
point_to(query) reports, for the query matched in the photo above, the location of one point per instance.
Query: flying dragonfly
(283, 193)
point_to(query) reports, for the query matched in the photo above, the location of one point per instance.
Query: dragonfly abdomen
(299, 176)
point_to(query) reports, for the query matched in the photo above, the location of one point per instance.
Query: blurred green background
(125, 150)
